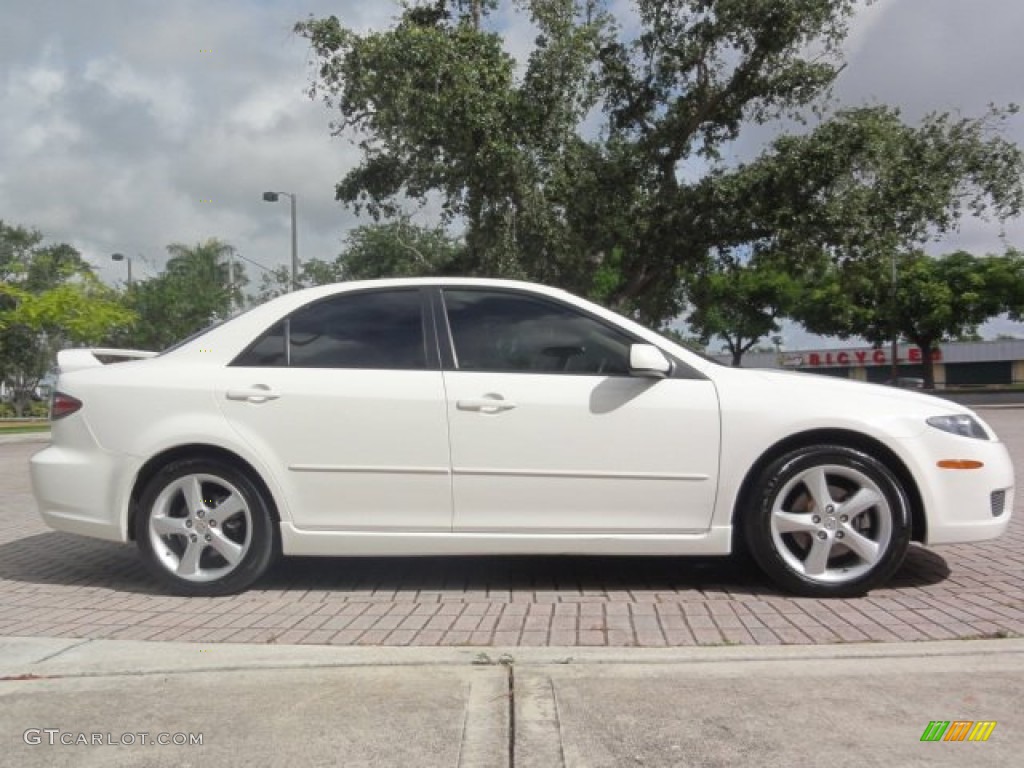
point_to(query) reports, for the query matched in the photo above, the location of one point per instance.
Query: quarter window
(378, 330)
(268, 351)
(501, 331)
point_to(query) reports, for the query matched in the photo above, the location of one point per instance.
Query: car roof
(405, 282)
(303, 295)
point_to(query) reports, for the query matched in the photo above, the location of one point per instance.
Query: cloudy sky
(125, 126)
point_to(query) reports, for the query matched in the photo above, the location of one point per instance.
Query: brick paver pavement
(61, 585)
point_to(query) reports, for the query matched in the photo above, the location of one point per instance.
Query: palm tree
(201, 284)
(211, 269)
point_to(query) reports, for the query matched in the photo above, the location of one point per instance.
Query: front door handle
(257, 393)
(485, 404)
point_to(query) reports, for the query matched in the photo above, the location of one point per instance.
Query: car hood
(792, 384)
(796, 384)
(804, 401)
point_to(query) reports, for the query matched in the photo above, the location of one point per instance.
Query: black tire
(803, 540)
(229, 549)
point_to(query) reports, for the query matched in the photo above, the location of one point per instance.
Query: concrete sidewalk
(854, 705)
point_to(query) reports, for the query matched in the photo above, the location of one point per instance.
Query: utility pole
(894, 375)
(231, 281)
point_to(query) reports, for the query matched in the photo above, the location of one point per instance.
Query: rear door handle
(486, 404)
(257, 393)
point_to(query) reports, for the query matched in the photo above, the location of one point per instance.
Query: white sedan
(464, 416)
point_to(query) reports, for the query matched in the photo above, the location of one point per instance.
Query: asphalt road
(986, 399)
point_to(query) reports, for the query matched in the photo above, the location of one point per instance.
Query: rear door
(346, 399)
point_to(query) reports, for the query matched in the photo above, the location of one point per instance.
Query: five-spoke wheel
(204, 528)
(828, 521)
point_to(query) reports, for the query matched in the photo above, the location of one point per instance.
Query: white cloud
(165, 96)
(33, 116)
(868, 17)
(264, 108)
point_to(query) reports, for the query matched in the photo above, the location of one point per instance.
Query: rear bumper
(81, 492)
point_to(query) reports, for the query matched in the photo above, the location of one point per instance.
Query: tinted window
(498, 331)
(268, 350)
(382, 329)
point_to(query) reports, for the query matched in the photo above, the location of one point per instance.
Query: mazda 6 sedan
(475, 417)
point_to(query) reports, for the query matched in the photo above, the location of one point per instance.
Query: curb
(64, 657)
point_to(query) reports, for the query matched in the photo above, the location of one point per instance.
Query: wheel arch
(193, 451)
(848, 439)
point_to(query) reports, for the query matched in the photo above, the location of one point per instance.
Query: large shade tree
(835, 206)
(866, 183)
(570, 171)
(596, 162)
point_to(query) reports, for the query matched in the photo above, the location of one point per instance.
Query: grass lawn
(23, 427)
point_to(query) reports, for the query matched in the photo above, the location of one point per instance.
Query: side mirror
(649, 361)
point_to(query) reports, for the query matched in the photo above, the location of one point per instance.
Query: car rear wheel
(828, 521)
(204, 528)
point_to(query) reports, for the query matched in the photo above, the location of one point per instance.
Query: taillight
(63, 405)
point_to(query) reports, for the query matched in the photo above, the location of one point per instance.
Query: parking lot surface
(58, 585)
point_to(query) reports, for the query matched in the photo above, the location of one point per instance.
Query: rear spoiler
(76, 359)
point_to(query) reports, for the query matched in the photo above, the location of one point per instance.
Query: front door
(550, 433)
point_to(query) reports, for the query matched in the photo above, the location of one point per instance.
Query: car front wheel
(828, 521)
(204, 528)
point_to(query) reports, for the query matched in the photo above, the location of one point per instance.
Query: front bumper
(958, 503)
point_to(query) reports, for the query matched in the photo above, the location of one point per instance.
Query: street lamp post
(128, 260)
(272, 197)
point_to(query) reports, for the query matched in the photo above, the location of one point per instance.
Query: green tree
(695, 75)
(542, 193)
(865, 184)
(49, 298)
(441, 111)
(396, 248)
(936, 299)
(864, 188)
(194, 290)
(278, 281)
(740, 302)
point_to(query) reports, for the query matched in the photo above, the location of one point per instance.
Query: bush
(35, 410)
(39, 410)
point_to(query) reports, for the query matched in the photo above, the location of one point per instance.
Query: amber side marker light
(960, 464)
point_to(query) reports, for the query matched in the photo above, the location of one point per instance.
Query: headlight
(960, 424)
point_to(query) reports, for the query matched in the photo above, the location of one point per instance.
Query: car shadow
(571, 575)
(921, 568)
(484, 576)
(55, 558)
(64, 559)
